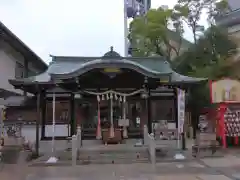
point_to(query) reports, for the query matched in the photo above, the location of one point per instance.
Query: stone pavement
(228, 165)
(224, 168)
(162, 171)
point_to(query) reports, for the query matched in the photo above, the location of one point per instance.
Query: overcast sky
(69, 27)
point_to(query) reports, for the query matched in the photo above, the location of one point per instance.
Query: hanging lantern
(98, 98)
(120, 98)
(111, 96)
(107, 96)
(103, 97)
(144, 94)
(124, 98)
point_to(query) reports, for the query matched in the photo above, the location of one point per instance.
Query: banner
(181, 109)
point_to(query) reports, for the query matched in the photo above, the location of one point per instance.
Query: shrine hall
(109, 96)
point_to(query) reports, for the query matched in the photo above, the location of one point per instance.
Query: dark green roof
(63, 66)
(67, 67)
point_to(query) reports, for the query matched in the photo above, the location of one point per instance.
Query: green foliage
(209, 58)
(190, 12)
(149, 35)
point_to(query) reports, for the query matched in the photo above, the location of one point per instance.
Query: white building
(16, 61)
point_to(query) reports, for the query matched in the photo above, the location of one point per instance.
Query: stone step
(112, 149)
(112, 152)
(109, 157)
(116, 156)
(112, 161)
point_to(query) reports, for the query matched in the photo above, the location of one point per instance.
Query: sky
(69, 27)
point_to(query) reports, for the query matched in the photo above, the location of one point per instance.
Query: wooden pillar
(25, 73)
(175, 102)
(72, 115)
(38, 119)
(43, 115)
(149, 113)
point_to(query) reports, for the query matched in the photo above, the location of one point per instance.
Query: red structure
(227, 115)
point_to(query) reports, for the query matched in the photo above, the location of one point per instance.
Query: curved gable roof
(63, 69)
(70, 67)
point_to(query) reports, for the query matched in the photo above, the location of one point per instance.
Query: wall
(8, 59)
(30, 114)
(7, 68)
(26, 114)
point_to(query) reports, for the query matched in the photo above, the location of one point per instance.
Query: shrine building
(110, 94)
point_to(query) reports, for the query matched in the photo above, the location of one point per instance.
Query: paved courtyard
(225, 168)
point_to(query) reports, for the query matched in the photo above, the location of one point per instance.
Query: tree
(210, 57)
(150, 35)
(190, 11)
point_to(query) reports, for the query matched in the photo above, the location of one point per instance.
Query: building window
(19, 70)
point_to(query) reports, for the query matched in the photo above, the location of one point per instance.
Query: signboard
(232, 120)
(225, 90)
(112, 70)
(181, 110)
(123, 122)
(164, 79)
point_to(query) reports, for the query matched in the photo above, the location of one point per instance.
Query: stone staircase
(113, 155)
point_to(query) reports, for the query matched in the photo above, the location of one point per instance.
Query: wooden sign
(164, 79)
(112, 70)
(123, 122)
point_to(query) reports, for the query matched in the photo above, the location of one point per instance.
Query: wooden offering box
(112, 140)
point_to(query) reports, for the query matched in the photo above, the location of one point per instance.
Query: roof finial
(111, 48)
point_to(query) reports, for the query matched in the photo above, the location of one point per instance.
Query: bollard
(74, 150)
(145, 134)
(152, 150)
(22, 162)
(183, 138)
(79, 137)
(191, 132)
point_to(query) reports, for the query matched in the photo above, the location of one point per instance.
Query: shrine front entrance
(134, 112)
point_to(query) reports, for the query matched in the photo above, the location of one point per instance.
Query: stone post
(145, 134)
(22, 162)
(74, 150)
(79, 137)
(152, 149)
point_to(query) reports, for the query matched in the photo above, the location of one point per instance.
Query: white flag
(181, 109)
